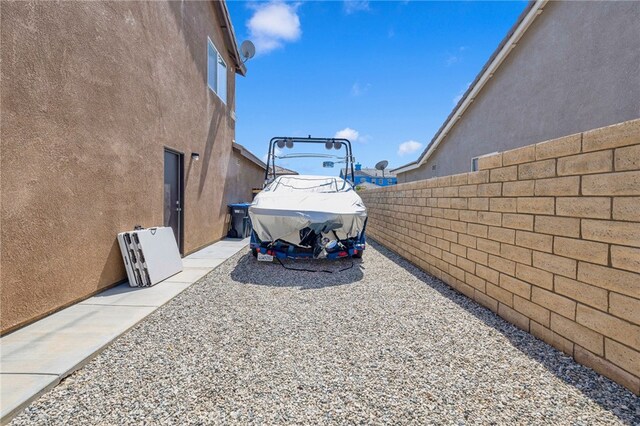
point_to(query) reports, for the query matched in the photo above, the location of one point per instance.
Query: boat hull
(301, 213)
(274, 224)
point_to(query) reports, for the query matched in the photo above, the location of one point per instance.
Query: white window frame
(474, 164)
(219, 59)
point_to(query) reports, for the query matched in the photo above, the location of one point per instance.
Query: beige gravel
(380, 343)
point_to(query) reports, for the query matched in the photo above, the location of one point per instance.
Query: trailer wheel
(358, 255)
(254, 252)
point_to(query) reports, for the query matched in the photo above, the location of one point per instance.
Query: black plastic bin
(240, 222)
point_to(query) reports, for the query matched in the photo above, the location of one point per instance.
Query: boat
(308, 216)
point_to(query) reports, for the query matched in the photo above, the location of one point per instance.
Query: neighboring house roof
(367, 172)
(249, 155)
(230, 36)
(378, 173)
(280, 171)
(526, 18)
(368, 185)
(345, 172)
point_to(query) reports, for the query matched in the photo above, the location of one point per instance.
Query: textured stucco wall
(243, 175)
(576, 68)
(91, 94)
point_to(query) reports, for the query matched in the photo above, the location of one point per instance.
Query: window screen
(216, 72)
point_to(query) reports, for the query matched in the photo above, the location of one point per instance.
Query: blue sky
(383, 74)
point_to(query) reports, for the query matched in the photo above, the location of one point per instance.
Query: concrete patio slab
(16, 390)
(57, 343)
(201, 263)
(188, 275)
(219, 252)
(230, 242)
(35, 358)
(123, 295)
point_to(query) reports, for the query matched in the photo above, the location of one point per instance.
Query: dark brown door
(173, 193)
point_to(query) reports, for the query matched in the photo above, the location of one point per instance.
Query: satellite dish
(381, 165)
(247, 49)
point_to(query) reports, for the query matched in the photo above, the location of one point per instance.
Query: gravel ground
(379, 343)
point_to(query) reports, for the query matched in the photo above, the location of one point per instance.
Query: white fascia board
(405, 168)
(504, 52)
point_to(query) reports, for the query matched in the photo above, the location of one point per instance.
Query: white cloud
(364, 138)
(391, 33)
(408, 147)
(273, 24)
(454, 58)
(347, 133)
(353, 6)
(359, 89)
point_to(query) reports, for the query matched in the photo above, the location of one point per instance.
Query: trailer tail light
(343, 254)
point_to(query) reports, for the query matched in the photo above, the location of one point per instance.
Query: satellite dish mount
(247, 50)
(381, 165)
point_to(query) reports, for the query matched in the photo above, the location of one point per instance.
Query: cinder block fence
(547, 236)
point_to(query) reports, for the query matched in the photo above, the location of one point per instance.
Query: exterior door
(173, 194)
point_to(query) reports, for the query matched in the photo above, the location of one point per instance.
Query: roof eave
(230, 37)
(524, 21)
(405, 168)
(249, 155)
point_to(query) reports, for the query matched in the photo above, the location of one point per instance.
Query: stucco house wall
(575, 68)
(243, 176)
(92, 93)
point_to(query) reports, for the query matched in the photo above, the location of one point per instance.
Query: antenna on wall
(247, 50)
(381, 165)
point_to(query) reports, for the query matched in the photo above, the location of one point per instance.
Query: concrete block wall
(547, 236)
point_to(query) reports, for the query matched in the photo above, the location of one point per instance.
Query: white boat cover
(291, 203)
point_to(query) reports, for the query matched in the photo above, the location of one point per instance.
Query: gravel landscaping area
(381, 342)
